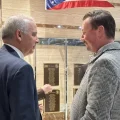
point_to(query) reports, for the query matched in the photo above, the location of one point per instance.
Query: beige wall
(14, 7)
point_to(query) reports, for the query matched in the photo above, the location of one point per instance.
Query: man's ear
(18, 35)
(101, 31)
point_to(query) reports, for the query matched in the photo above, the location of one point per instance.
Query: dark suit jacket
(41, 94)
(18, 95)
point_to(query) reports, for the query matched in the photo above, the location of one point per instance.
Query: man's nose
(37, 40)
(82, 37)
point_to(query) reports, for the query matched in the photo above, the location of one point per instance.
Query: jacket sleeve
(23, 95)
(102, 86)
(41, 94)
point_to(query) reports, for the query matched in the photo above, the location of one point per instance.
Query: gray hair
(18, 22)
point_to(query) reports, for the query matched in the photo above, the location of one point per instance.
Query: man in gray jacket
(98, 97)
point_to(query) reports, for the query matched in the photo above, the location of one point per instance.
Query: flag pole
(66, 78)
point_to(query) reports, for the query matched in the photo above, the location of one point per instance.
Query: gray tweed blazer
(98, 96)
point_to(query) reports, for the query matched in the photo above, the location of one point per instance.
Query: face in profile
(89, 35)
(29, 39)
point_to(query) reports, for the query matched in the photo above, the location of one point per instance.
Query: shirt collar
(17, 50)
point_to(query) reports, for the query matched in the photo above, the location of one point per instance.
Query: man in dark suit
(18, 95)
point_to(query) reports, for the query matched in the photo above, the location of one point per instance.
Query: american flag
(63, 4)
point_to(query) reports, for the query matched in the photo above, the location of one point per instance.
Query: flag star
(53, 2)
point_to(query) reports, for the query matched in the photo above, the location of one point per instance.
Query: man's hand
(47, 88)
